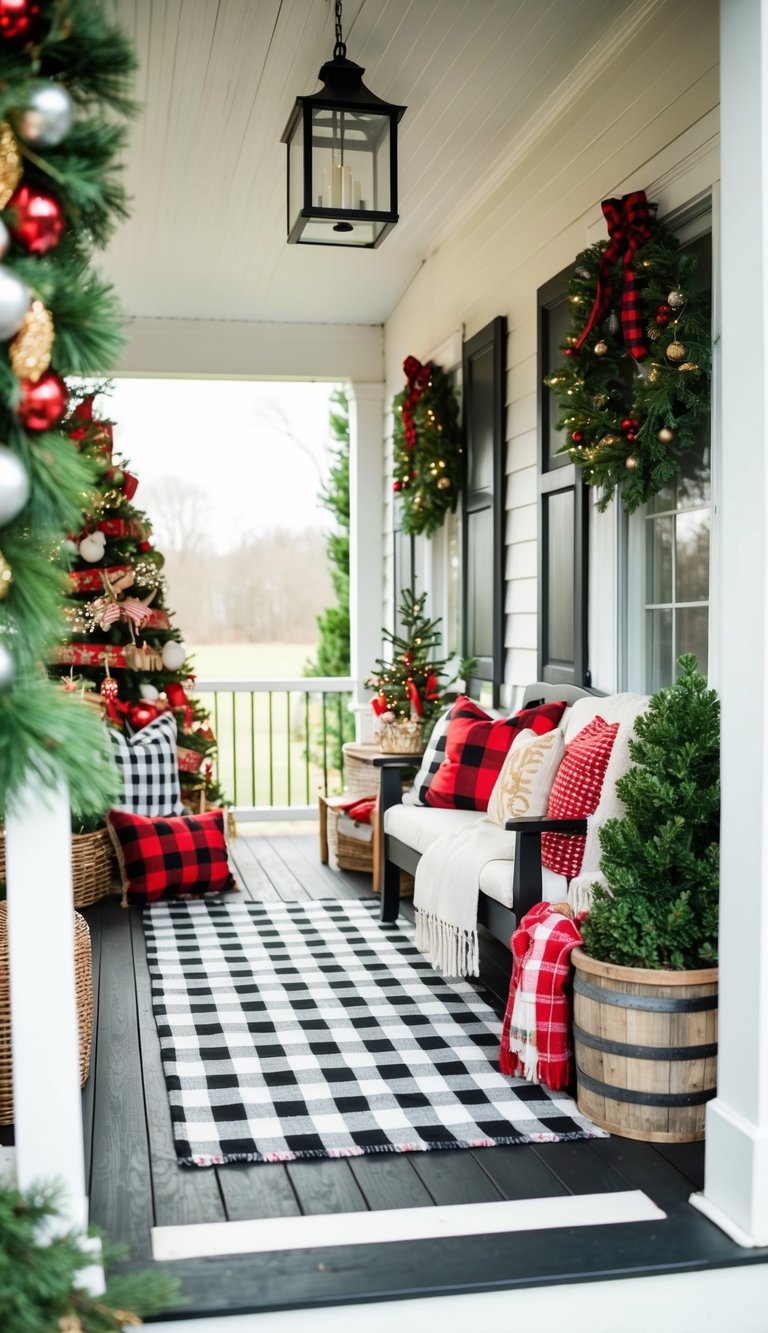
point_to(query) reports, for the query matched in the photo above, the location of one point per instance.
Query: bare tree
(178, 510)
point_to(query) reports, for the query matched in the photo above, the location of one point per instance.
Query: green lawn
(271, 747)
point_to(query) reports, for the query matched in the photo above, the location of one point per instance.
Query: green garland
(628, 421)
(428, 466)
(71, 44)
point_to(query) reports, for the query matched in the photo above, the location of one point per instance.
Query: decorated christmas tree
(411, 683)
(64, 72)
(428, 465)
(123, 651)
(661, 858)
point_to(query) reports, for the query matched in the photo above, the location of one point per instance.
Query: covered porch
(703, 71)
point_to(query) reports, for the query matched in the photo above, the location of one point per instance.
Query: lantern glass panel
(350, 161)
(296, 171)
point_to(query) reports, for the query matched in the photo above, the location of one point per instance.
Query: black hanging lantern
(342, 159)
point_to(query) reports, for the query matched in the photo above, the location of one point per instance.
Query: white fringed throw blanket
(446, 894)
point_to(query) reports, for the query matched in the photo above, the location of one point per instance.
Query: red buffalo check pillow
(169, 858)
(576, 793)
(475, 749)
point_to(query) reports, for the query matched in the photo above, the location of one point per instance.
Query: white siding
(638, 114)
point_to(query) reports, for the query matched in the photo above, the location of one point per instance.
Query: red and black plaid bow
(629, 225)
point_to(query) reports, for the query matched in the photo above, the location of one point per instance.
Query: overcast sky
(257, 450)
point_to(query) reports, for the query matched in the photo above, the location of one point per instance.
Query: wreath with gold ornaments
(427, 448)
(633, 387)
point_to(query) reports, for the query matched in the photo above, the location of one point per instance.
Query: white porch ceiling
(217, 80)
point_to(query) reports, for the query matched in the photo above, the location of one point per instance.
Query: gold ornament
(689, 365)
(676, 352)
(653, 334)
(443, 483)
(609, 439)
(10, 163)
(571, 340)
(30, 350)
(6, 577)
(665, 435)
(653, 376)
(69, 1323)
(601, 348)
(630, 462)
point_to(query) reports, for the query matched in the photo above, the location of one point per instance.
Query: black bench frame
(396, 855)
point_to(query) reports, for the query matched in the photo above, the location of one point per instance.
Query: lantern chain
(340, 48)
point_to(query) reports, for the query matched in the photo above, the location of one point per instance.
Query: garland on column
(427, 448)
(634, 384)
(63, 66)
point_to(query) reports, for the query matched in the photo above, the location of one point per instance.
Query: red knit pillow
(576, 793)
(166, 858)
(475, 750)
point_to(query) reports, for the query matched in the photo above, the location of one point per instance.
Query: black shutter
(484, 414)
(563, 516)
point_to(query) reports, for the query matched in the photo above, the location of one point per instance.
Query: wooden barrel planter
(645, 1044)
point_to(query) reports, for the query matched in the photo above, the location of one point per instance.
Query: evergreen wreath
(634, 384)
(427, 448)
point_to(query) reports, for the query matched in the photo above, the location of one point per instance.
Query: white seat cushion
(496, 882)
(419, 825)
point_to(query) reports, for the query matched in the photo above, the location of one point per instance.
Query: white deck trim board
(266, 1235)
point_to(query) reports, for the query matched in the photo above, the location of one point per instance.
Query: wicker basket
(354, 854)
(84, 996)
(94, 867)
(405, 736)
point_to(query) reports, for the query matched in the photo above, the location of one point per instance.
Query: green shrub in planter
(661, 858)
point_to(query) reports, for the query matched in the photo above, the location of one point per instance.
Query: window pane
(658, 655)
(481, 444)
(661, 532)
(558, 317)
(692, 556)
(692, 634)
(480, 581)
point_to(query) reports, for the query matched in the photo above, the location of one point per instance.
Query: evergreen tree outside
(661, 858)
(333, 656)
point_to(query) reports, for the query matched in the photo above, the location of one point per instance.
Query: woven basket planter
(403, 737)
(84, 996)
(94, 868)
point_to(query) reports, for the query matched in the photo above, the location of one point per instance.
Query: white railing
(279, 742)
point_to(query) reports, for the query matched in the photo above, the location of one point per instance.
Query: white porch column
(366, 503)
(46, 1059)
(736, 1180)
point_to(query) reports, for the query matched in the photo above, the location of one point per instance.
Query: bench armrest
(396, 760)
(526, 885)
(536, 825)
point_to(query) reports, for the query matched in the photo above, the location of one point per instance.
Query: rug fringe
(452, 950)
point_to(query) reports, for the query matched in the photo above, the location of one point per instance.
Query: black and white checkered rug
(293, 1030)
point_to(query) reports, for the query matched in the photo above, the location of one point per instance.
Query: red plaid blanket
(536, 1036)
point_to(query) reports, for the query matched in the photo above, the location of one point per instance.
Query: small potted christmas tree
(650, 940)
(409, 686)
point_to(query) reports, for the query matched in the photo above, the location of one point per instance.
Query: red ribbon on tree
(414, 696)
(629, 226)
(417, 379)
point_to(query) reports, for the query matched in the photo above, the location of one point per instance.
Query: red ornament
(630, 435)
(145, 546)
(108, 688)
(44, 403)
(577, 437)
(140, 715)
(627, 423)
(569, 351)
(634, 423)
(39, 221)
(663, 314)
(19, 20)
(397, 486)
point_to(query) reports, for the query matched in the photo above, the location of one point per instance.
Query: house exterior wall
(628, 118)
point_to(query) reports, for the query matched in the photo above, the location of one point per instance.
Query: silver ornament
(47, 117)
(14, 485)
(582, 272)
(613, 322)
(675, 299)
(7, 668)
(14, 303)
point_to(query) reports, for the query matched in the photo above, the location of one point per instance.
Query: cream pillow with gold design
(523, 785)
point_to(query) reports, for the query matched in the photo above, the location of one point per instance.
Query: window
(668, 557)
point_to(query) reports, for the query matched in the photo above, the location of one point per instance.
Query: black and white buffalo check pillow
(149, 768)
(431, 760)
